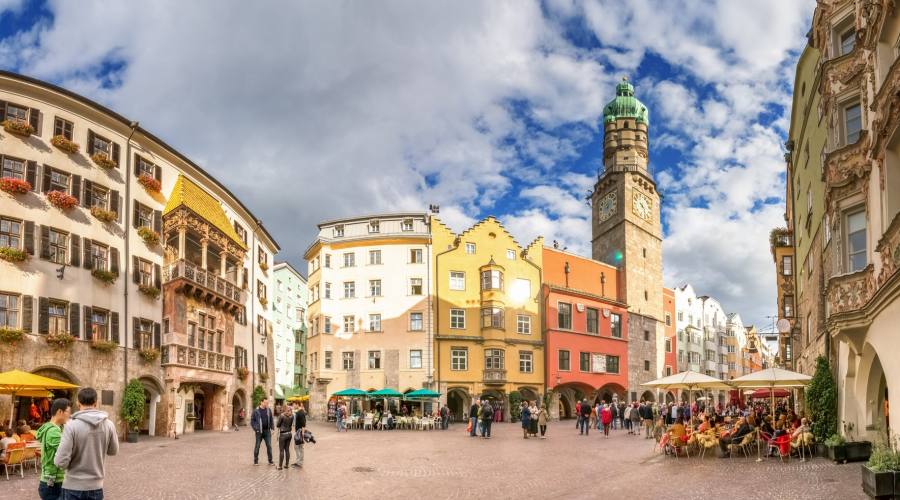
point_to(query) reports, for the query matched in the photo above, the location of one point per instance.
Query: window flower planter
(105, 276)
(104, 161)
(17, 127)
(60, 340)
(149, 183)
(13, 254)
(149, 291)
(104, 345)
(242, 373)
(61, 200)
(264, 266)
(64, 144)
(263, 377)
(149, 354)
(11, 335)
(103, 214)
(149, 236)
(264, 301)
(14, 186)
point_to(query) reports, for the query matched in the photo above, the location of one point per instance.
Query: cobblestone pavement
(448, 464)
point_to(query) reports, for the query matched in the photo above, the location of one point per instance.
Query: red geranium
(149, 182)
(14, 186)
(61, 200)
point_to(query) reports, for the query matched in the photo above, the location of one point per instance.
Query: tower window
(627, 124)
(644, 251)
(646, 295)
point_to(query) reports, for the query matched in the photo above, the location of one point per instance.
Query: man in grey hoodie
(87, 439)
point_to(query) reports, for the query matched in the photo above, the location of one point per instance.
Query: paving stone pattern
(448, 464)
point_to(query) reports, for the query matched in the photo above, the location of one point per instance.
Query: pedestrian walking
(635, 420)
(262, 423)
(647, 416)
(542, 419)
(606, 417)
(578, 415)
(585, 417)
(51, 481)
(284, 424)
(299, 429)
(473, 418)
(526, 418)
(445, 417)
(487, 416)
(614, 409)
(87, 439)
(627, 418)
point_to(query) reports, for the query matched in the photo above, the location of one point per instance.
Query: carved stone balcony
(205, 285)
(850, 292)
(494, 376)
(847, 167)
(889, 250)
(193, 357)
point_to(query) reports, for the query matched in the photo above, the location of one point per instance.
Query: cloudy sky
(317, 110)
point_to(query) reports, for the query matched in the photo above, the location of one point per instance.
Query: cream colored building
(369, 311)
(181, 314)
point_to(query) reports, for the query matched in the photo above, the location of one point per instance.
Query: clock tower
(627, 231)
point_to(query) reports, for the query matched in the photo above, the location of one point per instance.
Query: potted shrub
(103, 214)
(149, 291)
(133, 408)
(149, 354)
(149, 183)
(13, 254)
(60, 340)
(61, 200)
(242, 373)
(104, 345)
(149, 236)
(837, 448)
(105, 276)
(18, 127)
(104, 161)
(878, 472)
(64, 144)
(821, 400)
(11, 335)
(14, 186)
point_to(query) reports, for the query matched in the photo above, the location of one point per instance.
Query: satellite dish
(783, 325)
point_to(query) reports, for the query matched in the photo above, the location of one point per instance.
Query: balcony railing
(494, 376)
(181, 269)
(193, 357)
(850, 292)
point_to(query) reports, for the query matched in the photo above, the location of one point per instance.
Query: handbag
(469, 427)
(298, 436)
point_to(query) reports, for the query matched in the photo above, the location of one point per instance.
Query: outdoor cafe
(387, 409)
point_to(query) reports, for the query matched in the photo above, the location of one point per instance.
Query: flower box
(60, 340)
(264, 301)
(149, 183)
(149, 354)
(103, 214)
(858, 451)
(149, 291)
(242, 373)
(264, 266)
(14, 186)
(61, 200)
(18, 127)
(11, 335)
(878, 484)
(104, 161)
(104, 345)
(263, 377)
(64, 144)
(13, 254)
(105, 276)
(149, 236)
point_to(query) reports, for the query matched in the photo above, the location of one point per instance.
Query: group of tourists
(290, 425)
(482, 414)
(635, 417)
(534, 419)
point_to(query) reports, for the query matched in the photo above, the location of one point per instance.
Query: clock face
(607, 206)
(642, 205)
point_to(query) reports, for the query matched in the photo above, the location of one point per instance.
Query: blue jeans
(82, 495)
(50, 492)
(585, 426)
(474, 426)
(486, 428)
(264, 436)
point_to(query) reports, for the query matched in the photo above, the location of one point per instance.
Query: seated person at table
(767, 427)
(9, 439)
(742, 428)
(390, 420)
(704, 424)
(660, 428)
(677, 431)
(801, 429)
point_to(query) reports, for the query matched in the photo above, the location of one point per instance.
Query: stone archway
(670, 397)
(612, 392)
(237, 404)
(458, 401)
(22, 404)
(529, 394)
(648, 397)
(152, 394)
(875, 392)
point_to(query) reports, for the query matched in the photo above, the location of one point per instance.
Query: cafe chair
(15, 454)
(30, 457)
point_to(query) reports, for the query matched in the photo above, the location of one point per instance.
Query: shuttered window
(63, 127)
(58, 246)
(57, 317)
(99, 322)
(9, 310)
(10, 233)
(13, 167)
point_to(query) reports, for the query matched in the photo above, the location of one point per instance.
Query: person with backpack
(50, 434)
(299, 429)
(626, 416)
(635, 419)
(606, 418)
(487, 417)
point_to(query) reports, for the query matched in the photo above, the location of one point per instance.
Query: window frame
(421, 321)
(459, 359)
(588, 321)
(560, 358)
(520, 323)
(9, 236)
(526, 361)
(413, 366)
(456, 280)
(497, 317)
(615, 325)
(848, 254)
(560, 315)
(13, 172)
(457, 318)
(375, 319)
(494, 359)
(8, 312)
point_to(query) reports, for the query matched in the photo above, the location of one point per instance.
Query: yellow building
(489, 340)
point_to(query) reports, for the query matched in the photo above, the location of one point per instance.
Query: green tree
(821, 401)
(133, 404)
(258, 395)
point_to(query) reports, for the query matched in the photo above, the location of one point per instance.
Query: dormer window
(339, 231)
(407, 225)
(374, 226)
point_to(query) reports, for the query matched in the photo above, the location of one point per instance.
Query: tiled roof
(201, 203)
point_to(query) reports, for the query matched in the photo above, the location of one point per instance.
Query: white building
(288, 311)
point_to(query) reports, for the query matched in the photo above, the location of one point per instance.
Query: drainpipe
(429, 333)
(127, 252)
(250, 285)
(541, 309)
(437, 302)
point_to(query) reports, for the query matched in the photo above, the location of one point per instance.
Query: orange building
(585, 329)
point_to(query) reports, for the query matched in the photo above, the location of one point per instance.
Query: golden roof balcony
(210, 287)
(193, 357)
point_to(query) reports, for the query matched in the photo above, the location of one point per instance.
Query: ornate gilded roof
(625, 105)
(201, 203)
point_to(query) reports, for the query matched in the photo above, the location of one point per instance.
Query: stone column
(204, 245)
(554, 405)
(182, 239)
(222, 263)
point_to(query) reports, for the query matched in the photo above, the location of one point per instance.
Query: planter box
(821, 450)
(838, 453)
(877, 484)
(858, 451)
(131, 437)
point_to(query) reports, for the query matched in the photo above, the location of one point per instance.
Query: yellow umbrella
(17, 382)
(298, 399)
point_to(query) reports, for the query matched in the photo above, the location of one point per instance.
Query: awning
(385, 393)
(422, 393)
(351, 393)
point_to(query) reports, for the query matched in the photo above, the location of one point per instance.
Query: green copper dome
(625, 105)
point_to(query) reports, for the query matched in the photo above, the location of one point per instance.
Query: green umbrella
(422, 393)
(385, 393)
(351, 393)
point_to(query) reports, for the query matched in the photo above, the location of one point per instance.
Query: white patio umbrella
(771, 378)
(688, 380)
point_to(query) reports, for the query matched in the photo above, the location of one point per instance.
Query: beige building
(369, 306)
(121, 258)
(859, 83)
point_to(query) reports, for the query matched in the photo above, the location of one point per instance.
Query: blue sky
(317, 110)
